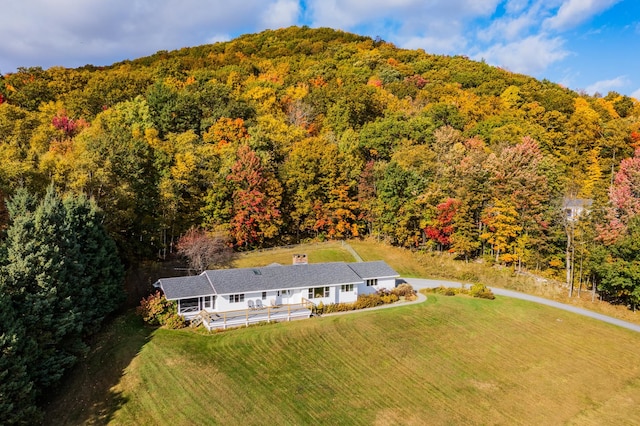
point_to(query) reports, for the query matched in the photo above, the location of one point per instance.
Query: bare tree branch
(205, 250)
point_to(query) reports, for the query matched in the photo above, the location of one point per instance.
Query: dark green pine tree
(92, 264)
(35, 261)
(62, 275)
(17, 392)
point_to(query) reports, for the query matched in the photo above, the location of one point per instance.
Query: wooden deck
(245, 317)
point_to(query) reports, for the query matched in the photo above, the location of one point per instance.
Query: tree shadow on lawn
(85, 395)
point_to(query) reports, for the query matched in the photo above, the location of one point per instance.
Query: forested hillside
(285, 136)
(307, 133)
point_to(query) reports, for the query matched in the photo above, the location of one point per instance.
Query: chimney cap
(300, 259)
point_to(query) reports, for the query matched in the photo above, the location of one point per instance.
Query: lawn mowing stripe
(449, 360)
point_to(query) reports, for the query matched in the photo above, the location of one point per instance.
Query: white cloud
(574, 12)
(282, 13)
(636, 94)
(437, 26)
(72, 33)
(531, 55)
(522, 35)
(509, 28)
(605, 86)
(435, 45)
(515, 6)
(407, 18)
(217, 38)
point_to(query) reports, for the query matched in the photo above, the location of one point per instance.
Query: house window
(371, 282)
(236, 298)
(189, 305)
(346, 287)
(315, 292)
(207, 302)
(264, 295)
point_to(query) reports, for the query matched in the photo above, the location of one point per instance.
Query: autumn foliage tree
(442, 226)
(204, 250)
(501, 220)
(256, 200)
(616, 261)
(306, 133)
(624, 197)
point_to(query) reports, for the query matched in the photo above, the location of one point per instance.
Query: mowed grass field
(450, 360)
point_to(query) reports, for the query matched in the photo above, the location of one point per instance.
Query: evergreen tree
(34, 262)
(92, 263)
(62, 274)
(17, 392)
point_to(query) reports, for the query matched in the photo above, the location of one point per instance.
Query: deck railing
(310, 305)
(252, 316)
(188, 309)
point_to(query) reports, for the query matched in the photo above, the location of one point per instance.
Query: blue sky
(588, 45)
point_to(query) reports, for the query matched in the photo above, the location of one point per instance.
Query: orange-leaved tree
(256, 200)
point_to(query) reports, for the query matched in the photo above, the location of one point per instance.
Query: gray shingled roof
(576, 203)
(378, 269)
(228, 281)
(277, 277)
(185, 287)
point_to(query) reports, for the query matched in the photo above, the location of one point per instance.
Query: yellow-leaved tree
(501, 220)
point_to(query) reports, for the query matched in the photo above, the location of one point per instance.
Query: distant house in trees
(574, 208)
(230, 297)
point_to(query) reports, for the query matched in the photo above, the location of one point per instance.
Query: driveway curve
(420, 283)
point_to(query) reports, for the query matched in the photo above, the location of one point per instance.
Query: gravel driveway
(419, 283)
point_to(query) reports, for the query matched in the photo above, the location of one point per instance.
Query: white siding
(365, 289)
(222, 303)
(188, 309)
(347, 296)
(273, 297)
(383, 283)
(324, 300)
(387, 283)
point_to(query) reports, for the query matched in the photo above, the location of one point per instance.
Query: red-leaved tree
(204, 250)
(256, 200)
(441, 228)
(624, 197)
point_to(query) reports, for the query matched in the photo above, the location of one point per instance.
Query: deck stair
(201, 317)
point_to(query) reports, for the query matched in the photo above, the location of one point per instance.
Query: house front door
(283, 297)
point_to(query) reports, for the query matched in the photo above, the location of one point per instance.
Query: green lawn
(443, 266)
(451, 360)
(317, 253)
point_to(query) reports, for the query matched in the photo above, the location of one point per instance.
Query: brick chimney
(300, 259)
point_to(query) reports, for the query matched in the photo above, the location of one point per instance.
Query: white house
(242, 296)
(574, 208)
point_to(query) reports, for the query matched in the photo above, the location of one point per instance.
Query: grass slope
(443, 266)
(316, 253)
(451, 360)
